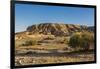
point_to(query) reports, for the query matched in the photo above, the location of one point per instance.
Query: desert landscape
(51, 43)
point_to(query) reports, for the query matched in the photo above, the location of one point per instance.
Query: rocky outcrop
(55, 29)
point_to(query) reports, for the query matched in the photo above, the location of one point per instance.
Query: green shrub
(81, 40)
(74, 41)
(86, 40)
(29, 42)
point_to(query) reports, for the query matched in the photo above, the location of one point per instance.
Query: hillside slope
(55, 29)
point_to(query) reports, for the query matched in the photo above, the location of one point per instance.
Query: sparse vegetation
(53, 59)
(35, 47)
(81, 40)
(66, 40)
(48, 38)
(29, 43)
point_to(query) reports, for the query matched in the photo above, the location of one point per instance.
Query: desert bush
(29, 42)
(74, 40)
(65, 41)
(81, 40)
(87, 40)
(49, 38)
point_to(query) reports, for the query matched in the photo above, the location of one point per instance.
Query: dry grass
(26, 60)
(47, 45)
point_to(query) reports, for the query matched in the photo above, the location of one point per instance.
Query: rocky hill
(55, 29)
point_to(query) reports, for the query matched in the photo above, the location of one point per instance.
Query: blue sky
(26, 15)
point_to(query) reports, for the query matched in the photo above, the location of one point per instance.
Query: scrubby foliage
(81, 40)
(29, 42)
(65, 40)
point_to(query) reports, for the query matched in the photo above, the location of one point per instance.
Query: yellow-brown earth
(48, 43)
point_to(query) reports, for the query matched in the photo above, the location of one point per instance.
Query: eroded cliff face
(55, 29)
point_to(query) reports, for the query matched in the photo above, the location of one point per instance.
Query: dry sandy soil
(47, 50)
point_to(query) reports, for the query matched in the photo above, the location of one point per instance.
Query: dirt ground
(48, 50)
